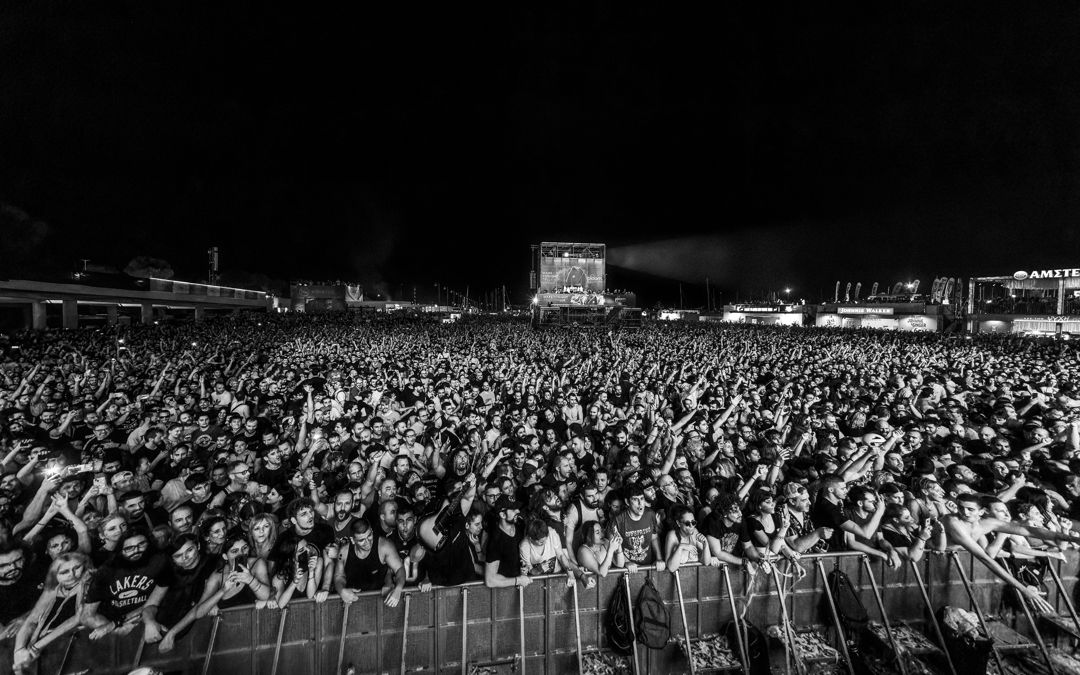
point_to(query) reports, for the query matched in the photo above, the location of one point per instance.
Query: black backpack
(757, 647)
(651, 617)
(849, 606)
(619, 636)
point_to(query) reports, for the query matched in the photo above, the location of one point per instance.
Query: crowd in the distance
(155, 475)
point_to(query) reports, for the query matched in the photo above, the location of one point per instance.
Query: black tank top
(365, 574)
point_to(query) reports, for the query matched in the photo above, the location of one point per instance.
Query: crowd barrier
(432, 631)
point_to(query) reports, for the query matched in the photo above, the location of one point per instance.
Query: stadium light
(536, 300)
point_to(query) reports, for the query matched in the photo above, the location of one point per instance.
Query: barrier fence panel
(433, 642)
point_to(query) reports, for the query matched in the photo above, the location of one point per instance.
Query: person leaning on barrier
(502, 568)
(366, 564)
(595, 554)
(123, 585)
(969, 529)
(638, 526)
(865, 507)
(684, 543)
(726, 534)
(174, 610)
(56, 612)
(239, 579)
(802, 536)
(828, 511)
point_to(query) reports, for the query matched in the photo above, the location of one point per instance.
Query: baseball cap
(505, 503)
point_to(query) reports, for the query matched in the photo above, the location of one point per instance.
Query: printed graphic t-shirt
(637, 536)
(122, 589)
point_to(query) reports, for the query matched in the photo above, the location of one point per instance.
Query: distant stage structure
(569, 284)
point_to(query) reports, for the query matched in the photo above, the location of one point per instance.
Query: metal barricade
(449, 628)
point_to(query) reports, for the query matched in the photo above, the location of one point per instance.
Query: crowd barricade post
(931, 615)
(740, 633)
(451, 628)
(1061, 595)
(897, 653)
(951, 555)
(210, 644)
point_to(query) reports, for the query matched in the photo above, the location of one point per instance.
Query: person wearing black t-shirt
(724, 531)
(304, 526)
(503, 551)
(173, 612)
(20, 585)
(123, 585)
(828, 511)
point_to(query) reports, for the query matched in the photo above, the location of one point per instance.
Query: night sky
(766, 146)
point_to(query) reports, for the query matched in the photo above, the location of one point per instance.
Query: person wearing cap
(502, 553)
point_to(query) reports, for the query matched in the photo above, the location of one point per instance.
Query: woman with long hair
(298, 567)
(262, 535)
(595, 554)
(110, 533)
(241, 578)
(57, 610)
(767, 532)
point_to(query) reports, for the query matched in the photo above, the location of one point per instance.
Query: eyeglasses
(689, 523)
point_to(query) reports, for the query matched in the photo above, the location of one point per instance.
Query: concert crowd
(158, 474)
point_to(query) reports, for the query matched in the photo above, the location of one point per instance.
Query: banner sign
(1063, 273)
(864, 310)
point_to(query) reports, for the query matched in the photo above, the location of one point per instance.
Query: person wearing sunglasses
(684, 543)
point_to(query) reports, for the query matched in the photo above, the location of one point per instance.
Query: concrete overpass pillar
(37, 315)
(200, 313)
(111, 315)
(71, 314)
(147, 314)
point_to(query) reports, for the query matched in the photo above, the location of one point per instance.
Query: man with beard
(20, 586)
(725, 532)
(342, 515)
(169, 611)
(583, 509)
(132, 505)
(828, 511)
(384, 518)
(502, 567)
(562, 473)
(459, 468)
(122, 586)
(406, 540)
(638, 526)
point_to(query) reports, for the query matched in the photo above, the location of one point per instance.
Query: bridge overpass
(150, 300)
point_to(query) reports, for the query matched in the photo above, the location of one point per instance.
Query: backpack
(651, 617)
(757, 650)
(619, 636)
(849, 605)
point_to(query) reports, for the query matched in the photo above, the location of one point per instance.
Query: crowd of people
(156, 475)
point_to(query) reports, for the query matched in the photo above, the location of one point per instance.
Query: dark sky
(776, 146)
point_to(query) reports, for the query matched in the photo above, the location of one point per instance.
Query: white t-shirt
(541, 559)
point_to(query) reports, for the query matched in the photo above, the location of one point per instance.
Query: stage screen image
(572, 265)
